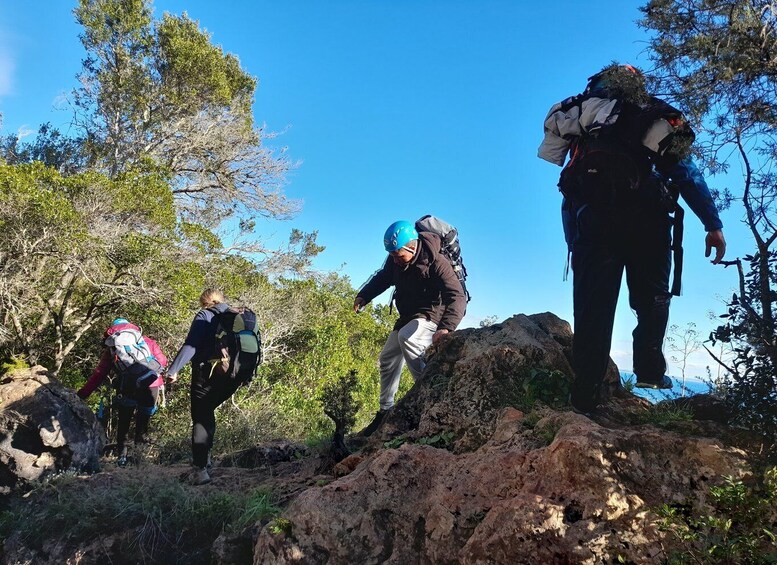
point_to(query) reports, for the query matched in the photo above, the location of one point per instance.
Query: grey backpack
(450, 247)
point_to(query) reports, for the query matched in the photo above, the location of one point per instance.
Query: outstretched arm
(452, 298)
(98, 375)
(693, 188)
(377, 284)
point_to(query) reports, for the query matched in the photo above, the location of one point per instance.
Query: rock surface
(548, 486)
(477, 372)
(467, 469)
(44, 428)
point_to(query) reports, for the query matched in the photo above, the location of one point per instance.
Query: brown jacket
(426, 288)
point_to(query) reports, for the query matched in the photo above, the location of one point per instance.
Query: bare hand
(715, 239)
(171, 378)
(359, 304)
(438, 335)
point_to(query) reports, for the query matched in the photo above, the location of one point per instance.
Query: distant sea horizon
(692, 386)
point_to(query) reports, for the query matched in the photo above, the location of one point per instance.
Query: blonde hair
(211, 297)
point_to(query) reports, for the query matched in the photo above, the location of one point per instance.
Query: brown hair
(211, 297)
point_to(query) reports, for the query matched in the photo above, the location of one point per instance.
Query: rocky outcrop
(513, 486)
(477, 372)
(44, 428)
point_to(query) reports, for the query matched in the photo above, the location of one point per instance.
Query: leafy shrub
(338, 401)
(551, 387)
(13, 363)
(738, 526)
(442, 440)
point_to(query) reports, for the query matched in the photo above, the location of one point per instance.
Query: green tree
(50, 147)
(329, 341)
(162, 90)
(718, 60)
(73, 250)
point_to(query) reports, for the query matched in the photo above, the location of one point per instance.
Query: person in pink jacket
(136, 363)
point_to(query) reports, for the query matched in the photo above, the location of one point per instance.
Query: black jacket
(426, 288)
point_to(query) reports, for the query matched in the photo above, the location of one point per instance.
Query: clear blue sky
(400, 108)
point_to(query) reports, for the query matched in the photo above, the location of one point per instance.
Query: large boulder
(44, 429)
(477, 372)
(514, 486)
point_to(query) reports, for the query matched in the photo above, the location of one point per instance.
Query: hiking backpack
(450, 248)
(613, 162)
(132, 359)
(238, 344)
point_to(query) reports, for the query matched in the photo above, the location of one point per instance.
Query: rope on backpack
(677, 250)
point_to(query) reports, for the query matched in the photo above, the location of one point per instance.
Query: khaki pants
(406, 345)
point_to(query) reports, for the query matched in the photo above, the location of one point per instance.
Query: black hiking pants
(139, 403)
(207, 394)
(607, 243)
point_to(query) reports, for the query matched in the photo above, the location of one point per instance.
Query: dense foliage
(718, 60)
(157, 518)
(736, 526)
(157, 197)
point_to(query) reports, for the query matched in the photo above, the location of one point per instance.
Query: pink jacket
(106, 362)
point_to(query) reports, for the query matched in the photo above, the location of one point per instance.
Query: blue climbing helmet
(118, 321)
(398, 235)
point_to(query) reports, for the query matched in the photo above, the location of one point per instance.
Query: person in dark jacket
(429, 299)
(206, 393)
(629, 162)
(136, 391)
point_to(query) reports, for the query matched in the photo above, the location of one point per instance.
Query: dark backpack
(132, 359)
(613, 162)
(450, 248)
(238, 344)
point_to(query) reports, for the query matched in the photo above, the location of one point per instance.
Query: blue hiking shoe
(663, 383)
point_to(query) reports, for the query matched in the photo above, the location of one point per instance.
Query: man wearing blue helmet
(429, 299)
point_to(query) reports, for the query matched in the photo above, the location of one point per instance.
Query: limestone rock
(44, 428)
(582, 499)
(477, 372)
(555, 487)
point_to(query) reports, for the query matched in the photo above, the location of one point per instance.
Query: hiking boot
(582, 411)
(663, 383)
(380, 415)
(122, 460)
(584, 406)
(199, 476)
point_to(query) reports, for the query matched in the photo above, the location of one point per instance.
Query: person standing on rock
(429, 298)
(629, 162)
(136, 362)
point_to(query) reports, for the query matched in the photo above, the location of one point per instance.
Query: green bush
(737, 526)
(549, 386)
(13, 363)
(442, 440)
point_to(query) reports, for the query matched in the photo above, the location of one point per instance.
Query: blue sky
(400, 108)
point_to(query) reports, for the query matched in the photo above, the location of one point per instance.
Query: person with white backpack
(135, 363)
